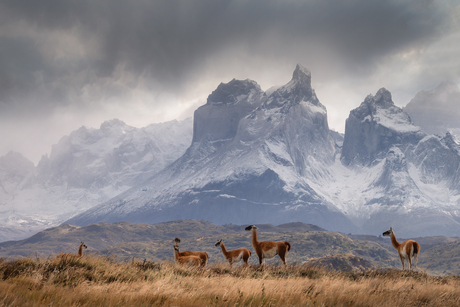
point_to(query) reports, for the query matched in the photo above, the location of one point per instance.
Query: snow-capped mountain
(269, 157)
(395, 173)
(14, 170)
(438, 110)
(84, 169)
(258, 173)
(255, 157)
(373, 128)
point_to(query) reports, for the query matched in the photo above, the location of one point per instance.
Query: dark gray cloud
(90, 56)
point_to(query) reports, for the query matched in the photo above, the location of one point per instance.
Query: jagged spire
(296, 90)
(302, 75)
(383, 98)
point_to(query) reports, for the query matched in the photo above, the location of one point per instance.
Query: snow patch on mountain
(262, 157)
(85, 168)
(279, 163)
(257, 174)
(373, 127)
(394, 120)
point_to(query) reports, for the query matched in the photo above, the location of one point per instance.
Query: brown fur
(202, 255)
(73, 256)
(189, 260)
(409, 249)
(233, 255)
(268, 249)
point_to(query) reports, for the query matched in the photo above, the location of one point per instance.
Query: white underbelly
(270, 253)
(404, 252)
(238, 258)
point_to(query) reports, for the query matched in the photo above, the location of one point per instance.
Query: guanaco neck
(254, 238)
(176, 253)
(224, 250)
(395, 243)
(80, 250)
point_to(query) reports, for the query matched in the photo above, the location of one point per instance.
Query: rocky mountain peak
(436, 111)
(233, 92)
(441, 96)
(112, 123)
(218, 119)
(15, 162)
(115, 126)
(451, 141)
(382, 110)
(447, 87)
(373, 127)
(295, 91)
(383, 98)
(302, 75)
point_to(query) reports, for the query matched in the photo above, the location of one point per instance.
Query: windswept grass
(99, 281)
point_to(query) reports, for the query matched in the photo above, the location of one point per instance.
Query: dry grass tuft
(102, 281)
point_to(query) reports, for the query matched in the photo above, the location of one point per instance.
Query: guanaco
(190, 260)
(409, 249)
(235, 255)
(202, 255)
(268, 249)
(73, 256)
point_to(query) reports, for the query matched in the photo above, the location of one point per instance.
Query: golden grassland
(100, 281)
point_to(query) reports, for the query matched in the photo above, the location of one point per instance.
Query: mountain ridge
(282, 165)
(269, 140)
(127, 241)
(254, 157)
(437, 110)
(86, 167)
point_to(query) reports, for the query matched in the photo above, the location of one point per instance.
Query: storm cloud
(64, 64)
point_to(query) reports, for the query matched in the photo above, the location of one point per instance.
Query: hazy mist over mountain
(70, 64)
(270, 158)
(85, 168)
(437, 111)
(162, 110)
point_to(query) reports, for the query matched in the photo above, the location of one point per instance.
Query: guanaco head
(388, 233)
(219, 242)
(250, 227)
(176, 241)
(83, 245)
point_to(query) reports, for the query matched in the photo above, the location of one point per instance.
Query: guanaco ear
(391, 228)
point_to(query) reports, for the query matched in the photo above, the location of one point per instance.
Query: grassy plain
(101, 281)
(310, 244)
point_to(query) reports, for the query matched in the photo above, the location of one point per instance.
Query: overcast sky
(65, 64)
